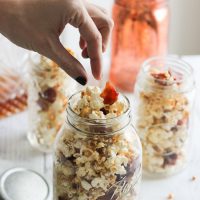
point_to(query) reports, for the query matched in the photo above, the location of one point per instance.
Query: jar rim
(101, 121)
(92, 127)
(177, 61)
(180, 67)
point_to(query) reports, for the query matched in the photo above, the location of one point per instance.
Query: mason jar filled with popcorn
(97, 153)
(164, 97)
(48, 90)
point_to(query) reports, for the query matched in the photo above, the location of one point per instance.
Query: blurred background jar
(48, 90)
(141, 31)
(97, 159)
(164, 94)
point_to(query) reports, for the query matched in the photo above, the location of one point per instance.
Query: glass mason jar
(97, 159)
(49, 88)
(141, 31)
(164, 94)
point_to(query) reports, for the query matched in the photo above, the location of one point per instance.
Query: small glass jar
(97, 159)
(141, 31)
(164, 94)
(49, 88)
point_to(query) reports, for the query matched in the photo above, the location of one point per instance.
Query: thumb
(66, 61)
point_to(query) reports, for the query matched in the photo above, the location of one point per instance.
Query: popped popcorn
(162, 119)
(48, 90)
(91, 105)
(104, 166)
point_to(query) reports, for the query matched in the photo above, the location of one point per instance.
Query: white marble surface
(15, 151)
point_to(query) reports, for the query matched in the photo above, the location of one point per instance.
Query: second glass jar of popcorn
(164, 98)
(97, 153)
(49, 88)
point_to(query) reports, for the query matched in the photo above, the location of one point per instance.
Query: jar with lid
(49, 88)
(97, 153)
(164, 94)
(141, 31)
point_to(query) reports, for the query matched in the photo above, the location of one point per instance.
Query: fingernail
(81, 80)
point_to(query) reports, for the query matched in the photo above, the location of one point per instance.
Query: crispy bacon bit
(170, 159)
(44, 105)
(49, 95)
(174, 129)
(109, 94)
(105, 112)
(161, 76)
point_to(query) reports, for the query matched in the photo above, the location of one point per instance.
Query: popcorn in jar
(97, 153)
(49, 88)
(164, 97)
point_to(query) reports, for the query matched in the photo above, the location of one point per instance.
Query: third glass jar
(164, 94)
(141, 31)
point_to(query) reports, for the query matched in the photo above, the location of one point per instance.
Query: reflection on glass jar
(97, 156)
(48, 89)
(141, 31)
(164, 96)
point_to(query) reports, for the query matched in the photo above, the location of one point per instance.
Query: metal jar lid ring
(23, 184)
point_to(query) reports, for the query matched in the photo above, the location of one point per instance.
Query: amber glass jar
(141, 31)
(97, 159)
(164, 94)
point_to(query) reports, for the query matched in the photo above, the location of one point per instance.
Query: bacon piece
(161, 76)
(49, 95)
(109, 94)
(170, 159)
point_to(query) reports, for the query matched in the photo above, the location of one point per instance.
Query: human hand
(36, 25)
